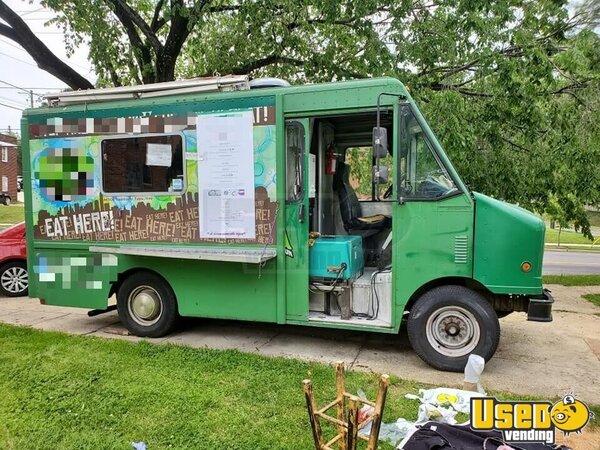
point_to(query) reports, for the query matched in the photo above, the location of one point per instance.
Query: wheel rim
(453, 331)
(145, 305)
(15, 280)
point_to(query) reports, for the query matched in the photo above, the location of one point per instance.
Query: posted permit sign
(529, 421)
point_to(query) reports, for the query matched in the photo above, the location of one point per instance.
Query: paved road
(557, 262)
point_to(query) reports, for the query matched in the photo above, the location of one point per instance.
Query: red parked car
(14, 281)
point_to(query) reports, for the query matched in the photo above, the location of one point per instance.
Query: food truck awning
(213, 253)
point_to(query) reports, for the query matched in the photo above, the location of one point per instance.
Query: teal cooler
(329, 252)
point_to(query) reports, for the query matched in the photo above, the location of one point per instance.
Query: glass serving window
(140, 164)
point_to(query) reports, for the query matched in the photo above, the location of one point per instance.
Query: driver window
(360, 162)
(423, 174)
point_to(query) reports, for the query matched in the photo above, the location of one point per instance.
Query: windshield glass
(423, 175)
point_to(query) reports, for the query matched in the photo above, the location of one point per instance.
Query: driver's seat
(354, 222)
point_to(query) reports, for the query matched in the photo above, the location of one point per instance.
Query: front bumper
(540, 307)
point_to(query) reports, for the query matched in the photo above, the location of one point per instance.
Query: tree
(141, 41)
(512, 87)
(512, 90)
(17, 30)
(530, 121)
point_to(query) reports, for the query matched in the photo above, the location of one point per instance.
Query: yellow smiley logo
(570, 415)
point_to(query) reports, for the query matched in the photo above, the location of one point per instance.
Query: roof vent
(260, 83)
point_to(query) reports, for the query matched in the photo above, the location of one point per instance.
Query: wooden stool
(347, 436)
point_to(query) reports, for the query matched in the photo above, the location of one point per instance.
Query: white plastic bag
(428, 412)
(396, 431)
(457, 398)
(473, 370)
(364, 413)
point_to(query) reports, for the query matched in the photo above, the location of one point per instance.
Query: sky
(18, 68)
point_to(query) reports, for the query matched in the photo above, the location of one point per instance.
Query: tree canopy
(512, 87)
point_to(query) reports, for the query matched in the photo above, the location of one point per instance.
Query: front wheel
(449, 323)
(146, 305)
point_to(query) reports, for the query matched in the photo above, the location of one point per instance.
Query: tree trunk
(165, 67)
(166, 57)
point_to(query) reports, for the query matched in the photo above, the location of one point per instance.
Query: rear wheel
(14, 281)
(449, 323)
(147, 305)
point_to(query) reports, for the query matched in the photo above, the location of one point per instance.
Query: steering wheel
(388, 192)
(432, 187)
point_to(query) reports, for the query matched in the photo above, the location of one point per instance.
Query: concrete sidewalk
(542, 359)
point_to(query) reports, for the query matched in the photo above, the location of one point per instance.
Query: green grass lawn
(566, 237)
(12, 214)
(69, 392)
(594, 218)
(594, 298)
(573, 280)
(73, 392)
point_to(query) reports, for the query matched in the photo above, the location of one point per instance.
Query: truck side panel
(68, 210)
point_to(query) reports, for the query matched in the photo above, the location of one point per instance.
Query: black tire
(146, 305)
(14, 280)
(448, 323)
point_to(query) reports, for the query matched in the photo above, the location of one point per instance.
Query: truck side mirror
(380, 174)
(380, 142)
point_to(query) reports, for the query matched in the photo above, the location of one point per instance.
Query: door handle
(301, 213)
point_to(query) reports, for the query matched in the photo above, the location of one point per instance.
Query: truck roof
(297, 97)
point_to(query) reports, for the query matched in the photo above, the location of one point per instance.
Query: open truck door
(297, 193)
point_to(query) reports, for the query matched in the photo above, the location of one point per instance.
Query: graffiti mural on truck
(69, 203)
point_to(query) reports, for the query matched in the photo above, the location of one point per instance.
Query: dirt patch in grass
(589, 439)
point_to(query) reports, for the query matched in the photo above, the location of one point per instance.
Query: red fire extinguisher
(330, 160)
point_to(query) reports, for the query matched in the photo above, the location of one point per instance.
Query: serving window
(143, 164)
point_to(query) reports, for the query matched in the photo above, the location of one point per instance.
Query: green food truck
(328, 205)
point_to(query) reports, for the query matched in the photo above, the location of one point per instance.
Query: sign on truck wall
(226, 175)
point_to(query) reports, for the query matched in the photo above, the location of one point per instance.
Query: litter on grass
(458, 399)
(473, 371)
(439, 404)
